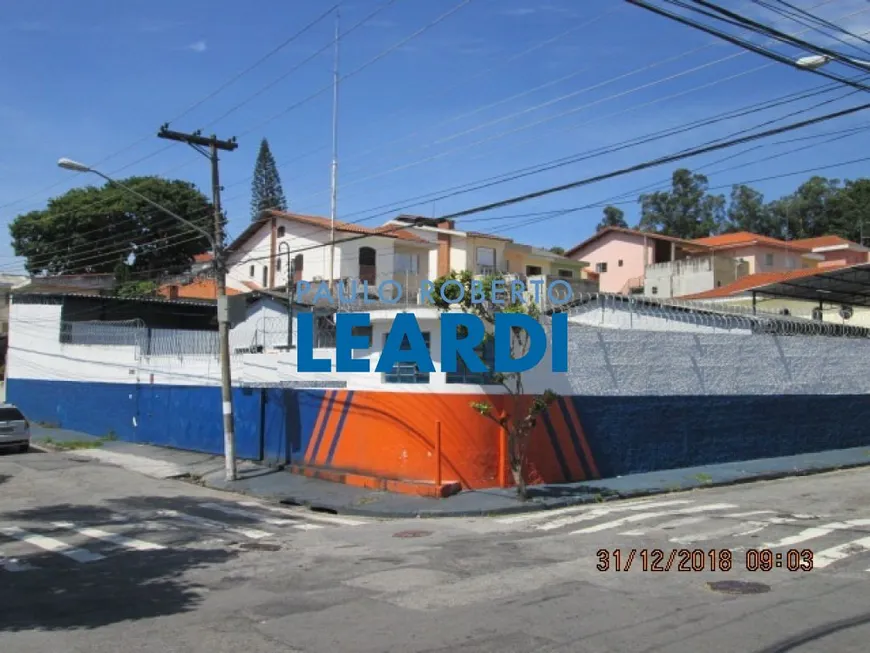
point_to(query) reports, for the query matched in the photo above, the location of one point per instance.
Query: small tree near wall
(520, 413)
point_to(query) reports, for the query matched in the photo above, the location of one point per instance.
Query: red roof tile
(745, 239)
(203, 288)
(758, 280)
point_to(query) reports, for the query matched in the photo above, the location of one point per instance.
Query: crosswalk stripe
(650, 515)
(307, 527)
(251, 533)
(13, 565)
(308, 516)
(51, 544)
(817, 531)
(250, 514)
(674, 523)
(602, 512)
(822, 559)
(547, 514)
(114, 538)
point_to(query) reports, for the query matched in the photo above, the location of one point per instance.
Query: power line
(358, 70)
(809, 20)
(655, 162)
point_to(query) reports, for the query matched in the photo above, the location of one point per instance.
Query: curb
(601, 496)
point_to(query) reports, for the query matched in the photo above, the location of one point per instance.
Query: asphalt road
(96, 558)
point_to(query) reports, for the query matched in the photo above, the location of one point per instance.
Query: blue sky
(495, 86)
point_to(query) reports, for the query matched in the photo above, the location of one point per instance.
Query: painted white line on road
(51, 544)
(674, 523)
(114, 538)
(251, 533)
(602, 512)
(13, 565)
(750, 513)
(741, 529)
(308, 527)
(822, 559)
(307, 515)
(650, 515)
(817, 531)
(249, 514)
(547, 514)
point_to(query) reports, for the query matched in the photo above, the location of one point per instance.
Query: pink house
(620, 256)
(836, 251)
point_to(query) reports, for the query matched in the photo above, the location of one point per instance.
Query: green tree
(94, 229)
(850, 211)
(520, 413)
(558, 250)
(613, 217)
(266, 190)
(685, 211)
(748, 212)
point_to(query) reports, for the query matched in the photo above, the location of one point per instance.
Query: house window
(566, 274)
(265, 276)
(768, 259)
(363, 331)
(486, 352)
(655, 290)
(485, 260)
(281, 232)
(297, 268)
(620, 263)
(251, 271)
(407, 372)
(407, 263)
(278, 264)
(601, 267)
(533, 270)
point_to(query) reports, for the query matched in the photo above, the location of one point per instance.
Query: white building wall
(602, 361)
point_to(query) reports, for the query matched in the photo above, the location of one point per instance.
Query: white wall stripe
(51, 544)
(114, 538)
(650, 515)
(251, 533)
(601, 512)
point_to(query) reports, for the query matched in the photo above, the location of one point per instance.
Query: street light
(816, 61)
(223, 318)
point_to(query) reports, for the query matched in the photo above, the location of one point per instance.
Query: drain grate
(412, 533)
(738, 587)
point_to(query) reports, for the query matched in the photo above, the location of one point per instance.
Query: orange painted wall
(392, 435)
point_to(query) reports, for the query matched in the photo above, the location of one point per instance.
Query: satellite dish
(846, 312)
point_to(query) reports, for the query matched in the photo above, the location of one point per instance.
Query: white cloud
(198, 46)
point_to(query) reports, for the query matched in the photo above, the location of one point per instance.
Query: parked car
(14, 429)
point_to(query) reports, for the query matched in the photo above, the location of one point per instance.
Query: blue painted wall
(628, 435)
(270, 423)
(625, 434)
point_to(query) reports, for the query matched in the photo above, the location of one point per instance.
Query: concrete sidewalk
(284, 487)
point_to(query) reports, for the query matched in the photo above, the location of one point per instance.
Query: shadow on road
(57, 593)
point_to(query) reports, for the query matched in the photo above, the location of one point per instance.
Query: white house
(262, 254)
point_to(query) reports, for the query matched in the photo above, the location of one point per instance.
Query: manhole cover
(260, 546)
(738, 587)
(412, 534)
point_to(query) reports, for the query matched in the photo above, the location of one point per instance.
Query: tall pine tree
(266, 191)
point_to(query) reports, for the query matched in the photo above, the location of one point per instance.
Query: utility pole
(332, 207)
(208, 147)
